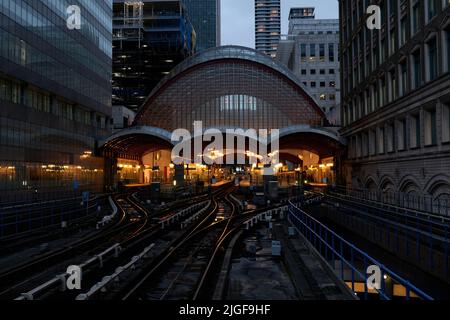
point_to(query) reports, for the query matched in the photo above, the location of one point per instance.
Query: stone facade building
(311, 50)
(396, 101)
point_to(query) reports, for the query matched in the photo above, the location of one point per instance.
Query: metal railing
(424, 237)
(423, 203)
(349, 262)
(18, 221)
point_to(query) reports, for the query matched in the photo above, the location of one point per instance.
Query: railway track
(17, 277)
(206, 223)
(133, 227)
(186, 271)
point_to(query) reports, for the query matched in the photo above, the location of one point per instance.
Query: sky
(238, 18)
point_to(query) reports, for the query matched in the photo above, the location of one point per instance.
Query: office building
(149, 38)
(396, 101)
(55, 97)
(205, 18)
(311, 51)
(267, 26)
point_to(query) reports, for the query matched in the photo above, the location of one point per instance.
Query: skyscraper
(311, 50)
(55, 97)
(267, 26)
(396, 103)
(205, 17)
(149, 38)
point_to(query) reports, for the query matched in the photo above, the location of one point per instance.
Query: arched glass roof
(230, 86)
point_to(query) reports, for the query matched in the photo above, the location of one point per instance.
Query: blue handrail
(316, 232)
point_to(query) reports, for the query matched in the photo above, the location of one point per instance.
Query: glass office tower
(55, 97)
(149, 39)
(205, 17)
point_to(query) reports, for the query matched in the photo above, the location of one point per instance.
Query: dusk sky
(238, 18)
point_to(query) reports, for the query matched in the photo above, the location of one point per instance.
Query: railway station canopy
(229, 87)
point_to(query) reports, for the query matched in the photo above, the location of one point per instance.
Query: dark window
(417, 69)
(432, 59)
(447, 33)
(322, 52)
(414, 131)
(430, 127)
(312, 51)
(415, 17)
(432, 9)
(404, 74)
(331, 52)
(303, 52)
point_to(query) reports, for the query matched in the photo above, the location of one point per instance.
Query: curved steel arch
(247, 78)
(309, 129)
(140, 130)
(135, 141)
